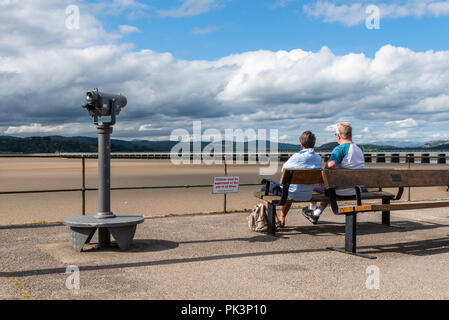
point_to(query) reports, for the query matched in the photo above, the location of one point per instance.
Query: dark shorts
(275, 188)
(319, 188)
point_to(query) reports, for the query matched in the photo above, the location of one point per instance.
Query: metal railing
(84, 189)
(394, 158)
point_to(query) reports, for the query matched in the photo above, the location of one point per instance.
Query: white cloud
(395, 135)
(145, 127)
(34, 128)
(431, 105)
(116, 7)
(331, 128)
(257, 88)
(347, 14)
(190, 8)
(200, 31)
(32, 24)
(441, 136)
(406, 123)
(282, 3)
(149, 127)
(125, 29)
(354, 14)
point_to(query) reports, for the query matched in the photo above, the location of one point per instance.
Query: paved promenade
(217, 257)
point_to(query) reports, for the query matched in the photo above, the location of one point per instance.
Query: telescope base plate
(121, 227)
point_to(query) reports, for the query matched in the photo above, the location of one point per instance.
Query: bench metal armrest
(333, 200)
(358, 196)
(284, 196)
(285, 186)
(400, 192)
(267, 185)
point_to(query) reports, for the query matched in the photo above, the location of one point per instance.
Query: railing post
(368, 157)
(395, 158)
(380, 158)
(226, 173)
(408, 161)
(83, 186)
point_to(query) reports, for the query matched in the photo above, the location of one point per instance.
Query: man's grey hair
(344, 129)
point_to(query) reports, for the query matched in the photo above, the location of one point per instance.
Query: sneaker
(306, 212)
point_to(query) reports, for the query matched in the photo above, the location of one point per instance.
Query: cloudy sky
(289, 65)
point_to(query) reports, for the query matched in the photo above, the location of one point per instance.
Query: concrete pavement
(217, 257)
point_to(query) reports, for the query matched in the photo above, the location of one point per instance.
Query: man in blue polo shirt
(305, 159)
(347, 155)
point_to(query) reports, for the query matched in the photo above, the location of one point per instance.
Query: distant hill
(52, 144)
(326, 147)
(400, 144)
(55, 144)
(436, 144)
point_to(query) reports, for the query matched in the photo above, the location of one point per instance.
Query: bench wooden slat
(390, 207)
(385, 178)
(316, 197)
(303, 176)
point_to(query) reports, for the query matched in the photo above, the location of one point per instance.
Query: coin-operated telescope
(121, 227)
(100, 104)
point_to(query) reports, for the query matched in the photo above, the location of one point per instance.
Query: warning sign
(226, 185)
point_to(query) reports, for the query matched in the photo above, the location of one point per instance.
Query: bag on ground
(257, 219)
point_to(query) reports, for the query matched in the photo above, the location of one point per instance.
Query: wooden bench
(344, 179)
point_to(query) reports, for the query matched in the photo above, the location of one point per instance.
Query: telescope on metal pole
(104, 104)
(122, 227)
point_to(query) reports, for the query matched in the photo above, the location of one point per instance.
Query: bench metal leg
(386, 217)
(124, 236)
(351, 238)
(81, 236)
(271, 219)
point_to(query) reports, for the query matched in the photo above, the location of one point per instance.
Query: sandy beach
(295, 264)
(56, 173)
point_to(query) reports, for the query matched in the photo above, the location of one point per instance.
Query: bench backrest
(384, 178)
(302, 176)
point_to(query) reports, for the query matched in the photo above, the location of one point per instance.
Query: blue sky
(236, 26)
(289, 65)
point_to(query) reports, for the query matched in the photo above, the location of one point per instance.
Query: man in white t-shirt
(347, 155)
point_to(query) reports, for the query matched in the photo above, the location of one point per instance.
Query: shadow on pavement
(138, 246)
(416, 248)
(31, 226)
(28, 273)
(363, 228)
(258, 238)
(419, 248)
